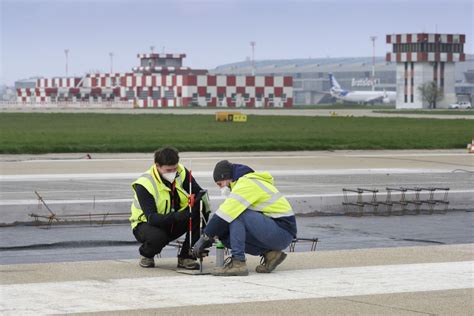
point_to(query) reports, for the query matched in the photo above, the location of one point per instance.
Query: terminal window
(156, 94)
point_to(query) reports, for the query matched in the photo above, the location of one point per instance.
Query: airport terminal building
(161, 81)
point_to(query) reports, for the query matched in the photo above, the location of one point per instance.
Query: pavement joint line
(424, 160)
(385, 306)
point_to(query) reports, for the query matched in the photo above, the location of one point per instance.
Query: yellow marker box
(230, 117)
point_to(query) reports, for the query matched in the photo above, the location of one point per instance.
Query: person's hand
(200, 245)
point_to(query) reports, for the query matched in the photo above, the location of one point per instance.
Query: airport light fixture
(373, 38)
(252, 43)
(111, 55)
(66, 52)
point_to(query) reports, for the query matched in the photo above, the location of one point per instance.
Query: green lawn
(91, 132)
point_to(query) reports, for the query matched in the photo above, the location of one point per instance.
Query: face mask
(169, 176)
(225, 191)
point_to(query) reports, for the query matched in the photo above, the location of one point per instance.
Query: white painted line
(269, 156)
(216, 198)
(161, 292)
(407, 155)
(68, 176)
(52, 202)
(293, 172)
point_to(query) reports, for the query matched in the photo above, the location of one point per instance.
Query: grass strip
(36, 133)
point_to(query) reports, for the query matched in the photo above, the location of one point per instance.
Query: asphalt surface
(84, 242)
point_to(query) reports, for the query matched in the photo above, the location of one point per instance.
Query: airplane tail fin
(334, 84)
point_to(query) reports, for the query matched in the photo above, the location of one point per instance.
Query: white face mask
(225, 191)
(169, 176)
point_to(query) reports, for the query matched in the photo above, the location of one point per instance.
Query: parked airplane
(360, 96)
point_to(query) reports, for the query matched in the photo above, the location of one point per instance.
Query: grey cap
(223, 171)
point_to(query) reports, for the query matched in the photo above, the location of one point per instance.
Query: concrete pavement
(394, 281)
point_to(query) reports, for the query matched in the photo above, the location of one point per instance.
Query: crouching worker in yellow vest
(255, 218)
(160, 211)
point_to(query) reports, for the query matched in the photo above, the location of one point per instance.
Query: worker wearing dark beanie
(223, 170)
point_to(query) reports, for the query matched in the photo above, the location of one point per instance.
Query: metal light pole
(252, 43)
(111, 55)
(66, 52)
(373, 38)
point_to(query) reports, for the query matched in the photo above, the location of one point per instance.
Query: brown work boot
(232, 267)
(188, 264)
(270, 260)
(146, 262)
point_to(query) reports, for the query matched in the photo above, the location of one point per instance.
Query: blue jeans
(254, 233)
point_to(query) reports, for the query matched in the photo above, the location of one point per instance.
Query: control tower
(423, 58)
(164, 64)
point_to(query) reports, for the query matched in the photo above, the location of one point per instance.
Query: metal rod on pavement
(200, 231)
(44, 203)
(190, 207)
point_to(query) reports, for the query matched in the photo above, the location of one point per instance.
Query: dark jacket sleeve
(148, 205)
(216, 227)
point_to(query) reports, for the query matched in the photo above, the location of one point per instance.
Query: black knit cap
(223, 171)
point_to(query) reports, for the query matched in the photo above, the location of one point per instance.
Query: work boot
(232, 267)
(270, 260)
(146, 262)
(188, 263)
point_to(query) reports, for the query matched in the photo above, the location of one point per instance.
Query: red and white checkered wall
(160, 90)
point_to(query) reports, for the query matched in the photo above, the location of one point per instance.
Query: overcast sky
(35, 33)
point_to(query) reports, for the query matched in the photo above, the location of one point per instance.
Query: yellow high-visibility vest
(152, 182)
(254, 191)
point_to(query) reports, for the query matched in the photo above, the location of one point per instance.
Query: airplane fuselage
(360, 96)
(365, 96)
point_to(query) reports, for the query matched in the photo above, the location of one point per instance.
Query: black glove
(203, 243)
